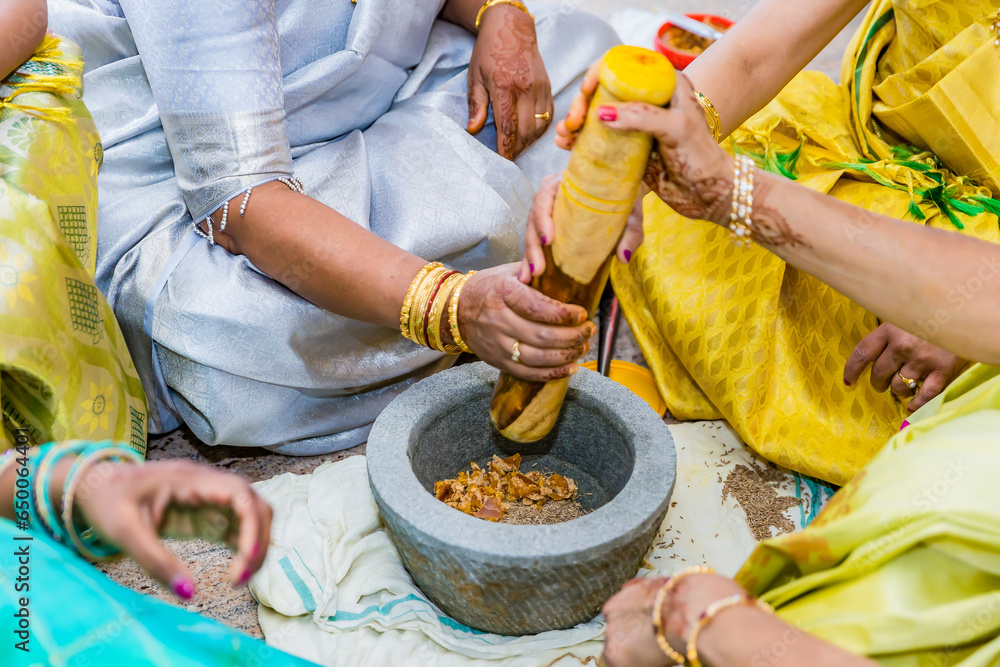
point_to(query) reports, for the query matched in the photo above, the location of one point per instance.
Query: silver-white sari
(197, 100)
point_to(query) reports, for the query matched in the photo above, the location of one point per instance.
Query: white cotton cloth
(333, 590)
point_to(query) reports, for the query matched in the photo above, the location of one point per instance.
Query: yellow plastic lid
(638, 380)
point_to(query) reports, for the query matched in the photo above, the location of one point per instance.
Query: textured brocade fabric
(902, 564)
(740, 335)
(65, 371)
(375, 110)
(216, 76)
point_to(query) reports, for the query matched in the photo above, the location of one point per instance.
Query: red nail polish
(607, 113)
(628, 256)
(847, 383)
(182, 587)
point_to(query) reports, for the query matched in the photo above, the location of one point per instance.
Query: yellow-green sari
(913, 133)
(65, 371)
(903, 564)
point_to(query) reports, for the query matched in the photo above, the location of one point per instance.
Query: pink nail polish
(545, 240)
(182, 587)
(628, 256)
(847, 383)
(607, 113)
(904, 425)
(531, 267)
(245, 577)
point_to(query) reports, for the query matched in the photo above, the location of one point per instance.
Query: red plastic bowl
(681, 59)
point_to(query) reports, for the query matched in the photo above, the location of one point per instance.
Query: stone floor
(235, 607)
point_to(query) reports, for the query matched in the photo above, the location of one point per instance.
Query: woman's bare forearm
(748, 637)
(745, 69)
(941, 286)
(22, 27)
(321, 255)
(462, 13)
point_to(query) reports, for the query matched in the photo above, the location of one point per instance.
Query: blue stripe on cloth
(303, 561)
(384, 610)
(308, 601)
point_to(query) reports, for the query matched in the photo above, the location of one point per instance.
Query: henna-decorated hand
(507, 71)
(688, 170)
(495, 310)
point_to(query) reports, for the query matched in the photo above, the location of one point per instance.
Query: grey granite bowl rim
(640, 502)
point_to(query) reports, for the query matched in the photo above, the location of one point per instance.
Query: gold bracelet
(456, 332)
(736, 599)
(404, 313)
(419, 317)
(711, 115)
(661, 597)
(493, 3)
(437, 313)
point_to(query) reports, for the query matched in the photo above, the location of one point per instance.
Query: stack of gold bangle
(434, 290)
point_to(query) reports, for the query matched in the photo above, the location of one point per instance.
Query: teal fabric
(79, 617)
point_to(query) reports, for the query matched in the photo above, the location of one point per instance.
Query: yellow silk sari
(903, 564)
(65, 371)
(738, 334)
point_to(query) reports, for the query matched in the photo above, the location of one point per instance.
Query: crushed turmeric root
(488, 494)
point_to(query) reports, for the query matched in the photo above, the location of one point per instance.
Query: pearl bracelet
(292, 183)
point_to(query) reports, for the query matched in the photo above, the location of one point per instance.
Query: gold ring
(912, 384)
(543, 116)
(515, 353)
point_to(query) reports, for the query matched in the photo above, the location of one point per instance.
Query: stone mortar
(517, 580)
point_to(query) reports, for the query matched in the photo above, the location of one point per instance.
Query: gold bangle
(456, 332)
(661, 597)
(404, 313)
(492, 3)
(736, 599)
(711, 115)
(437, 313)
(418, 317)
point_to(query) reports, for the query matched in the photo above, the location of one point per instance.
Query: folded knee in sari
(903, 564)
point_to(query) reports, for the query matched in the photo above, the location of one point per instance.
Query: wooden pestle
(595, 199)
